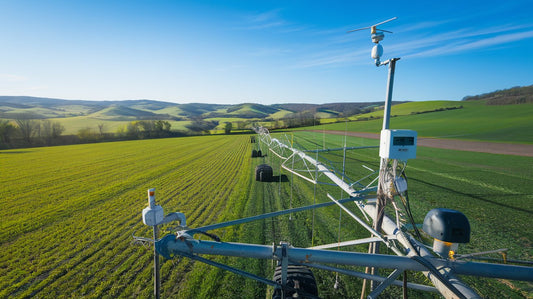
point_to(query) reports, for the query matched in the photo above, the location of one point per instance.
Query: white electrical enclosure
(398, 144)
(153, 216)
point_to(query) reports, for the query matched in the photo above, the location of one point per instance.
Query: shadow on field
(284, 178)
(478, 196)
(16, 152)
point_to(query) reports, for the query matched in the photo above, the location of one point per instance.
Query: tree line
(29, 132)
(25, 131)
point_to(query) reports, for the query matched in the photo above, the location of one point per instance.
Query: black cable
(408, 209)
(212, 236)
(438, 275)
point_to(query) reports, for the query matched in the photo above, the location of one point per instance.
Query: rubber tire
(299, 277)
(263, 173)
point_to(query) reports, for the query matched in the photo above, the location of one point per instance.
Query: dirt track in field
(454, 144)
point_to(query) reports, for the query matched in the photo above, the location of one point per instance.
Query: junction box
(398, 144)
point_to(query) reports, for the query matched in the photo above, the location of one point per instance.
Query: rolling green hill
(412, 108)
(122, 113)
(77, 114)
(501, 115)
(472, 120)
(515, 95)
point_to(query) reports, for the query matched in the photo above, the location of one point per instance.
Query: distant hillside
(333, 109)
(78, 114)
(197, 109)
(471, 120)
(246, 110)
(411, 108)
(120, 113)
(515, 95)
(43, 108)
(295, 107)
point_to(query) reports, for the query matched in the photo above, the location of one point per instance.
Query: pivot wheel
(299, 278)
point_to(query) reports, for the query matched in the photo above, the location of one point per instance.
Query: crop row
(74, 212)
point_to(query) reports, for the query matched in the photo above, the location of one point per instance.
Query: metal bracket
(390, 279)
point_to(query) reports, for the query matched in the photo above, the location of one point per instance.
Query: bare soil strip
(516, 149)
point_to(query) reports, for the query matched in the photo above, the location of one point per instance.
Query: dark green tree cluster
(199, 125)
(301, 119)
(26, 131)
(511, 96)
(148, 129)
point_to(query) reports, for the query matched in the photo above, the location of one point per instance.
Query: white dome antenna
(377, 35)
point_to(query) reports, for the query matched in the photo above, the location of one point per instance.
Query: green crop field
(69, 213)
(475, 121)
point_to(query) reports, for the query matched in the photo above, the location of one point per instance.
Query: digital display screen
(403, 141)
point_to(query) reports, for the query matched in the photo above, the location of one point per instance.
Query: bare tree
(50, 130)
(101, 127)
(27, 127)
(57, 129)
(7, 130)
(46, 131)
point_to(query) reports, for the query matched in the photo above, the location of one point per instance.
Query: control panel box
(398, 144)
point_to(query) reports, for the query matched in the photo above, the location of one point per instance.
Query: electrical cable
(408, 208)
(210, 235)
(438, 275)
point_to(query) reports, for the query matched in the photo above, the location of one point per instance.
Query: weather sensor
(377, 35)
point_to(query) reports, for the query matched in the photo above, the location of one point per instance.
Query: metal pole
(381, 197)
(170, 246)
(157, 282)
(390, 83)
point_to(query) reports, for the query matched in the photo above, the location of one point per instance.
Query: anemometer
(377, 35)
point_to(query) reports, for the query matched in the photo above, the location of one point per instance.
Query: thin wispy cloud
(12, 78)
(421, 42)
(264, 20)
(462, 40)
(269, 20)
(268, 52)
(420, 26)
(488, 42)
(329, 58)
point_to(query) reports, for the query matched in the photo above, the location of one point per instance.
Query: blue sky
(261, 51)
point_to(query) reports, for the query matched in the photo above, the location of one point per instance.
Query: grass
(414, 107)
(69, 213)
(74, 124)
(64, 111)
(475, 121)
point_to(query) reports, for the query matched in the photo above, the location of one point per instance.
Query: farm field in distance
(69, 213)
(473, 121)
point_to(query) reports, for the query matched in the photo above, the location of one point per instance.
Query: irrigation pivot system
(293, 275)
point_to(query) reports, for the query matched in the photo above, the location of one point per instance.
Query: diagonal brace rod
(267, 215)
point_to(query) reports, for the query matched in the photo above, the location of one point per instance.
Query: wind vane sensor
(377, 35)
